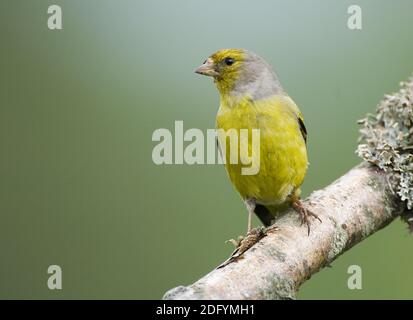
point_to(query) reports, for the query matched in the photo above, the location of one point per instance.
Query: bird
(251, 97)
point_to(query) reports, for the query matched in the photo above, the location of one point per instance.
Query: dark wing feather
(302, 128)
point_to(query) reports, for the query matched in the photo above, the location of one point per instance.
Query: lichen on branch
(387, 141)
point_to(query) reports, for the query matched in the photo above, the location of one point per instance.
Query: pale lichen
(387, 140)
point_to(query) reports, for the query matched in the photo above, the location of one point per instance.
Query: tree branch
(361, 202)
(352, 208)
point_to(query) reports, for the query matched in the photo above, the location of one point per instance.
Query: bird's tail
(264, 215)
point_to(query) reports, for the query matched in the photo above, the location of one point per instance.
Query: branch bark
(352, 208)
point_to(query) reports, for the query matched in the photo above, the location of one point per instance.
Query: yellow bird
(251, 97)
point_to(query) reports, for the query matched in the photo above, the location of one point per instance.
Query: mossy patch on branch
(387, 139)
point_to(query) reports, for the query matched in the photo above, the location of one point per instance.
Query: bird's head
(238, 72)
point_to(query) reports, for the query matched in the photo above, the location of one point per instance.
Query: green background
(78, 106)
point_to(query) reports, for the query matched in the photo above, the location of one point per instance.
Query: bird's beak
(207, 69)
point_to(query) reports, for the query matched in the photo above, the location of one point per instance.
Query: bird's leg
(253, 235)
(250, 204)
(304, 213)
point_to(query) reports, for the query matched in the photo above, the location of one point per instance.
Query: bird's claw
(242, 243)
(236, 243)
(305, 214)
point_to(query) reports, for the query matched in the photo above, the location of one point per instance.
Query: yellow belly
(283, 153)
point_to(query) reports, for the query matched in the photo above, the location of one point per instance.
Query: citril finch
(251, 97)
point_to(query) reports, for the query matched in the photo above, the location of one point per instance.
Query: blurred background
(78, 107)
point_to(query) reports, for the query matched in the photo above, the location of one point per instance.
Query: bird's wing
(303, 129)
(300, 119)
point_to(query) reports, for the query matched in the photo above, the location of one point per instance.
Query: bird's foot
(236, 242)
(305, 214)
(243, 243)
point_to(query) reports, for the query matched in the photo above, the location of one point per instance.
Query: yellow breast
(282, 153)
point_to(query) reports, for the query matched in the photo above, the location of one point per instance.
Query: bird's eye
(229, 61)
